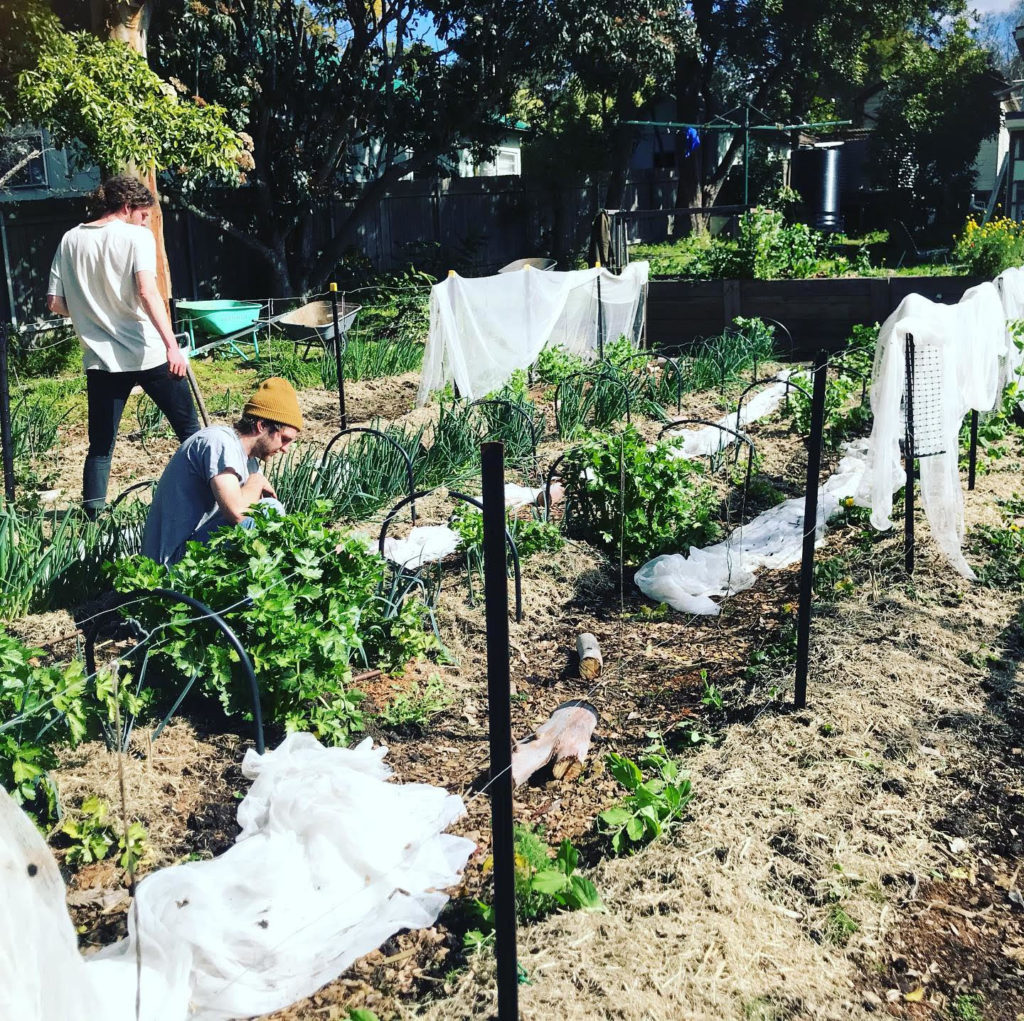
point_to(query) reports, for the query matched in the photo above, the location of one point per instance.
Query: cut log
(564, 737)
(591, 662)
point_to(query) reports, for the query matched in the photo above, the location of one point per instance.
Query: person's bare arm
(234, 498)
(57, 305)
(153, 303)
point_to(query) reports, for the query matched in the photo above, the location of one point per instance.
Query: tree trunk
(127, 21)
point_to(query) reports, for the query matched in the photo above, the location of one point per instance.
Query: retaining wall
(817, 312)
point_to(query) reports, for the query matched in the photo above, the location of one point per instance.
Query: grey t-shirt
(184, 502)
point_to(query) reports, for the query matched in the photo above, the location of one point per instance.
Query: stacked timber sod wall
(815, 311)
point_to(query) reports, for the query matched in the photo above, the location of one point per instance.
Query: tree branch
(19, 166)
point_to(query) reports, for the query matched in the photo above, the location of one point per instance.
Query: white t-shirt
(94, 272)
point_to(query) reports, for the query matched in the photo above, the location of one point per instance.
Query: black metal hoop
(531, 425)
(740, 438)
(409, 476)
(593, 376)
(137, 595)
(131, 489)
(789, 384)
(475, 503)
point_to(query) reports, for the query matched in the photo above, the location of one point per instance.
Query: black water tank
(815, 175)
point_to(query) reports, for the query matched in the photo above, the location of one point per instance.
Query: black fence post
(339, 356)
(814, 442)
(500, 727)
(6, 435)
(908, 459)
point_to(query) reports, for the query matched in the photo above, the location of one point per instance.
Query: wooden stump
(564, 737)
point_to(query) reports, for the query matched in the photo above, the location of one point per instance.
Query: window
(1018, 146)
(1017, 200)
(14, 147)
(507, 161)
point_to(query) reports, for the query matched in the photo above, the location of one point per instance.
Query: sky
(991, 6)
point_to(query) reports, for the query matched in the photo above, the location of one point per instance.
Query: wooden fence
(814, 311)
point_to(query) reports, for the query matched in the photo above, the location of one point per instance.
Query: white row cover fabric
(423, 545)
(710, 440)
(484, 328)
(1010, 284)
(958, 352)
(773, 539)
(331, 861)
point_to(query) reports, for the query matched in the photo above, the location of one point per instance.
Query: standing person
(213, 479)
(104, 277)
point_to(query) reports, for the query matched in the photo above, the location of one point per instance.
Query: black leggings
(107, 393)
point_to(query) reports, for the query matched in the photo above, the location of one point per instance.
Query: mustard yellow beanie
(276, 401)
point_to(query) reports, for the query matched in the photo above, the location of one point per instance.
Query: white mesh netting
(484, 328)
(331, 861)
(958, 352)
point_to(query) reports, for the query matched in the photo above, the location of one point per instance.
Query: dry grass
(809, 834)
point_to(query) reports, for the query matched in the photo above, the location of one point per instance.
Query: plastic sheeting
(773, 539)
(484, 328)
(957, 368)
(331, 861)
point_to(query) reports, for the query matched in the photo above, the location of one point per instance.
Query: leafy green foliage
(623, 492)
(651, 807)
(92, 836)
(41, 708)
(555, 363)
(543, 884)
(102, 96)
(1002, 547)
(530, 534)
(416, 705)
(767, 247)
(320, 600)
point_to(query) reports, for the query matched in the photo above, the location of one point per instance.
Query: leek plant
(47, 562)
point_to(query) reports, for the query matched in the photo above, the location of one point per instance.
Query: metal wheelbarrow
(314, 322)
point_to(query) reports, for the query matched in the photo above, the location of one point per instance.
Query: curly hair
(117, 192)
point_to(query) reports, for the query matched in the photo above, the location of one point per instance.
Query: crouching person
(214, 477)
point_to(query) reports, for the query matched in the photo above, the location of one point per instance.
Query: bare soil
(857, 858)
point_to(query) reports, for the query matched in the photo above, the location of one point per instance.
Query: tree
(97, 96)
(781, 58)
(933, 118)
(344, 98)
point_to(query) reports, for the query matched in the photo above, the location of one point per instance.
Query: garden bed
(823, 852)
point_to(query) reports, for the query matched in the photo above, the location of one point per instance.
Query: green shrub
(320, 601)
(985, 250)
(544, 884)
(622, 491)
(555, 363)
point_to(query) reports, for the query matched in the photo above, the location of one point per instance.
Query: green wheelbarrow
(223, 321)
